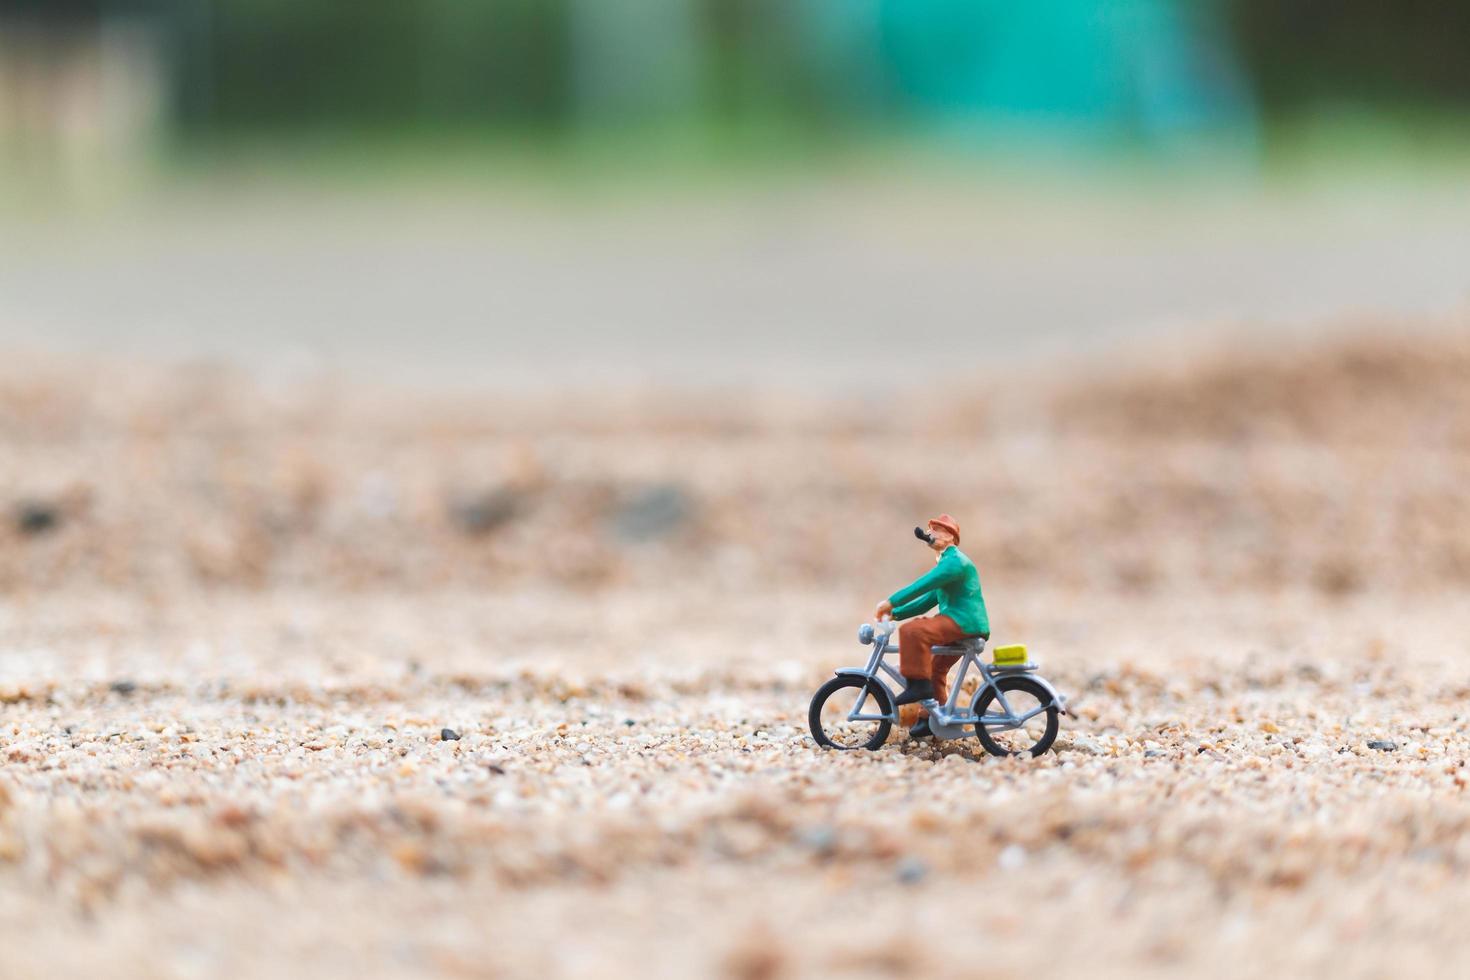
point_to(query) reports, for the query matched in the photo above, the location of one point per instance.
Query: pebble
(1382, 745)
(1086, 745)
(1011, 858)
(485, 511)
(653, 512)
(821, 839)
(448, 735)
(911, 871)
(34, 517)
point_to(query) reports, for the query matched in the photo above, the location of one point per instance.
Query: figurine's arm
(948, 568)
(914, 607)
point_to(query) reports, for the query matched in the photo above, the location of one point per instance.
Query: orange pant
(916, 659)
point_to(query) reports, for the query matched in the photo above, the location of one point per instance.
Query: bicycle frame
(947, 720)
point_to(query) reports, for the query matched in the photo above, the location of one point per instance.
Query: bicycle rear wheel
(1025, 696)
(836, 699)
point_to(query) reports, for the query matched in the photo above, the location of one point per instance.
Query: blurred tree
(634, 62)
(1304, 53)
(370, 62)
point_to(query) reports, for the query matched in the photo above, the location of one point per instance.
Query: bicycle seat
(967, 645)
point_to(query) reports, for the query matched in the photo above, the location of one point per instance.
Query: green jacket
(954, 585)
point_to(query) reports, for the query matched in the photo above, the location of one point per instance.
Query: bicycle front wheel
(837, 699)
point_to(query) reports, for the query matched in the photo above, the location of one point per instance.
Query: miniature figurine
(954, 585)
(1014, 710)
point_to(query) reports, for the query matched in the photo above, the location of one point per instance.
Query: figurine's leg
(940, 676)
(915, 661)
(915, 650)
(916, 640)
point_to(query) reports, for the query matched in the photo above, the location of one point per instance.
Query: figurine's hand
(885, 610)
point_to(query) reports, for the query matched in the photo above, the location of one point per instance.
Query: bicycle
(1029, 706)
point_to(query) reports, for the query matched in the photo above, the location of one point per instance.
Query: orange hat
(947, 522)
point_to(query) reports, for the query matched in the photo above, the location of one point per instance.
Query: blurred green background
(719, 187)
(721, 77)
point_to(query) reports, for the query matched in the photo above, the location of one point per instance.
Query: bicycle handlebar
(871, 632)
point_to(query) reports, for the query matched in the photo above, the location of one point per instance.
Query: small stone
(1154, 753)
(911, 871)
(122, 687)
(822, 840)
(483, 512)
(1088, 746)
(1012, 858)
(448, 735)
(1382, 745)
(34, 517)
(652, 513)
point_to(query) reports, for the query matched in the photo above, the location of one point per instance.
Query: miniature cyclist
(954, 585)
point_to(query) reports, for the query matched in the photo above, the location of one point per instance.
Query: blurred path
(794, 281)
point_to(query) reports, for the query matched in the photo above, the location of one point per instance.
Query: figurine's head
(943, 532)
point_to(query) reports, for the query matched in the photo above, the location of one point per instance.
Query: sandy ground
(236, 619)
(823, 280)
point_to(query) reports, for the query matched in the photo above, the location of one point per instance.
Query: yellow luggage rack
(1010, 656)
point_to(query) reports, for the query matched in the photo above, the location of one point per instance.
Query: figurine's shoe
(915, 690)
(921, 730)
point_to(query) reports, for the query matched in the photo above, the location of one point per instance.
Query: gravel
(326, 782)
(1263, 770)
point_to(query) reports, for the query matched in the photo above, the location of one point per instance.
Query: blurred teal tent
(1146, 67)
